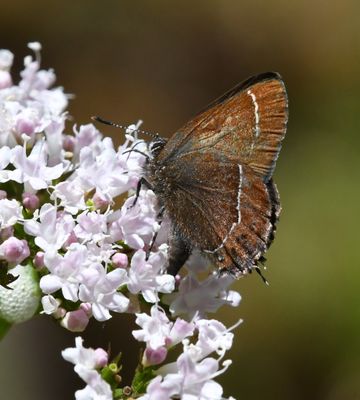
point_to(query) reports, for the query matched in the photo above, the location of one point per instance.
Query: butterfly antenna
(135, 150)
(106, 122)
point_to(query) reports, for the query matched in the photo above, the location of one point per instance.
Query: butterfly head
(156, 145)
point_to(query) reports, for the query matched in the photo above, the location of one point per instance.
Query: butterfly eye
(156, 146)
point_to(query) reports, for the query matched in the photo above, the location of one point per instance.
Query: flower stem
(4, 327)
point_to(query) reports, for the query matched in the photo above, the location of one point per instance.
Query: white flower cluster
(191, 376)
(58, 217)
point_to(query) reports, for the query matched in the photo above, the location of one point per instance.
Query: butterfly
(213, 177)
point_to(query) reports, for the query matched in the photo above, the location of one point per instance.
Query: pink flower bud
(14, 250)
(120, 260)
(154, 357)
(86, 307)
(102, 357)
(30, 201)
(75, 321)
(3, 194)
(39, 259)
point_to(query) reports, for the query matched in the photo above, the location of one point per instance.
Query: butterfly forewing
(246, 126)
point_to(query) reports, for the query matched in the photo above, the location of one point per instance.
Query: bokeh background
(161, 61)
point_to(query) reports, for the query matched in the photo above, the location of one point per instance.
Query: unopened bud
(30, 201)
(120, 260)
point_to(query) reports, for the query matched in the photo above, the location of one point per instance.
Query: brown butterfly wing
(219, 168)
(203, 202)
(260, 209)
(230, 211)
(246, 126)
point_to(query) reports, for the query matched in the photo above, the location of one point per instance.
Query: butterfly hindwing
(230, 217)
(248, 242)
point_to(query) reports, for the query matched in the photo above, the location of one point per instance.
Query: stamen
(235, 325)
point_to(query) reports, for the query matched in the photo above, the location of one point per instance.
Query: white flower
(100, 289)
(188, 380)
(71, 196)
(202, 296)
(145, 275)
(86, 136)
(49, 304)
(160, 334)
(35, 81)
(196, 378)
(100, 252)
(110, 172)
(54, 100)
(10, 212)
(160, 390)
(91, 226)
(28, 121)
(179, 331)
(98, 389)
(86, 361)
(53, 230)
(33, 169)
(31, 106)
(157, 330)
(213, 336)
(64, 271)
(135, 225)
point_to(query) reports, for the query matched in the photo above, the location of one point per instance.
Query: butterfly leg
(159, 219)
(258, 270)
(141, 182)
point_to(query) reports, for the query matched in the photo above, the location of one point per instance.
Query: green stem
(4, 327)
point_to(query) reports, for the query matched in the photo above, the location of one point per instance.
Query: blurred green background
(161, 61)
